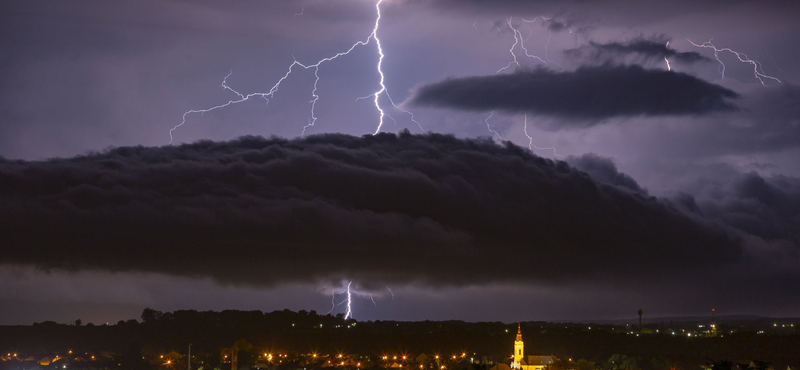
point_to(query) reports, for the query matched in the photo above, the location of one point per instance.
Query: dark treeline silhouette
(134, 343)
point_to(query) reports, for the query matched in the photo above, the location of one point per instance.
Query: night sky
(661, 176)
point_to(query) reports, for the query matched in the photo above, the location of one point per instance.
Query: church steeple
(519, 349)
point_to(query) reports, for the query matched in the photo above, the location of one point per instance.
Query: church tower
(519, 349)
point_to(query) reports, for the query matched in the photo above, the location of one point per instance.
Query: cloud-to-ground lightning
(349, 302)
(350, 291)
(757, 70)
(315, 98)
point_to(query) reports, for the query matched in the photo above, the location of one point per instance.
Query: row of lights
(463, 355)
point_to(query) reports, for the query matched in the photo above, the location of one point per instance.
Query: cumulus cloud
(586, 96)
(390, 208)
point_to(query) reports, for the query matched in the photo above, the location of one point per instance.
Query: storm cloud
(395, 208)
(586, 95)
(768, 207)
(647, 49)
(604, 170)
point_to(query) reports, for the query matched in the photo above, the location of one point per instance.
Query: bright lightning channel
(313, 118)
(349, 292)
(349, 302)
(669, 68)
(757, 70)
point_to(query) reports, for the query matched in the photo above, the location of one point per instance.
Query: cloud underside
(405, 208)
(588, 94)
(648, 49)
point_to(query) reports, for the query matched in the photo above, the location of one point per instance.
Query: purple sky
(82, 76)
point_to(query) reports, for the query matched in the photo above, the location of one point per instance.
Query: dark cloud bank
(394, 208)
(587, 94)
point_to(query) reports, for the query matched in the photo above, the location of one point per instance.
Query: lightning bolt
(531, 145)
(489, 127)
(669, 68)
(758, 72)
(313, 118)
(518, 40)
(350, 291)
(302, 10)
(349, 302)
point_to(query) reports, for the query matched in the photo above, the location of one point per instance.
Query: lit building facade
(521, 362)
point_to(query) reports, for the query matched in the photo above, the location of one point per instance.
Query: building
(521, 362)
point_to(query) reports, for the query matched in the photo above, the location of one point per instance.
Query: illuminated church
(521, 362)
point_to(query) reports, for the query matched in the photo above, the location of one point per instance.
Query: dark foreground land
(287, 340)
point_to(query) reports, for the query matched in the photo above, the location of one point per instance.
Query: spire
(519, 333)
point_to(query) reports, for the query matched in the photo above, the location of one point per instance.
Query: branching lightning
(518, 40)
(349, 291)
(315, 98)
(758, 72)
(669, 68)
